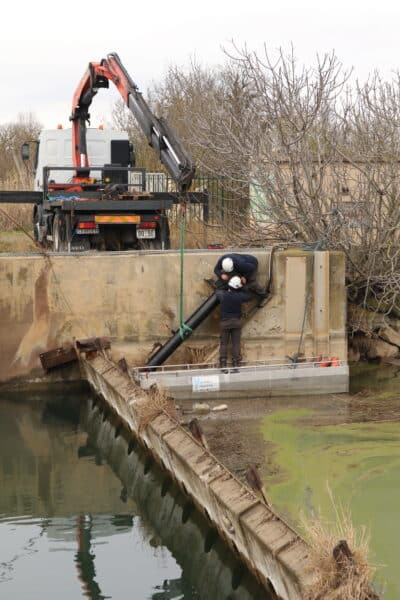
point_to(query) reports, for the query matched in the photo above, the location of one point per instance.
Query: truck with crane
(89, 193)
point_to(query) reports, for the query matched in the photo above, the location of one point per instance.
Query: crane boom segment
(159, 135)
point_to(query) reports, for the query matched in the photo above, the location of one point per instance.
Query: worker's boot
(222, 365)
(263, 299)
(235, 365)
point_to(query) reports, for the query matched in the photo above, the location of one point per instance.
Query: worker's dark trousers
(230, 328)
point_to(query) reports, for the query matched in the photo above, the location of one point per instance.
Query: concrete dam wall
(133, 297)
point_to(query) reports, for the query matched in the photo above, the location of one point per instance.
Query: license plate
(145, 234)
(86, 231)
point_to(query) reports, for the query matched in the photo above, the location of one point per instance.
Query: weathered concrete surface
(134, 298)
(264, 541)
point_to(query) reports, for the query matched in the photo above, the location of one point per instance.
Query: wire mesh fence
(227, 203)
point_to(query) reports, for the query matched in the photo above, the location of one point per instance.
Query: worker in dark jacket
(243, 265)
(231, 300)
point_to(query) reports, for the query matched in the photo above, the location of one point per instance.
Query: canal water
(321, 453)
(86, 514)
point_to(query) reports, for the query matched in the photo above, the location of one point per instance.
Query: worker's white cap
(227, 265)
(235, 282)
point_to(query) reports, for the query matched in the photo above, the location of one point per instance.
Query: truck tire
(39, 229)
(156, 244)
(150, 244)
(80, 243)
(36, 222)
(167, 243)
(59, 233)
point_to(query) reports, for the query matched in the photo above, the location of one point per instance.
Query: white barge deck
(262, 378)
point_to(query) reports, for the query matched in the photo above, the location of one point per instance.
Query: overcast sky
(45, 47)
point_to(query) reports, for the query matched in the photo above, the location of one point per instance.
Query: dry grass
(199, 354)
(155, 403)
(350, 581)
(14, 218)
(19, 213)
(197, 233)
(16, 241)
(194, 235)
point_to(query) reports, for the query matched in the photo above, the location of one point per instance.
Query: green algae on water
(361, 464)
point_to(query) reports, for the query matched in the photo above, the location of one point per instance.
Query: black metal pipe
(23, 197)
(191, 324)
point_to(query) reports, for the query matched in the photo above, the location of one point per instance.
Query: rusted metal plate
(57, 357)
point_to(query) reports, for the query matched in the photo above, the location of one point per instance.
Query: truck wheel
(35, 220)
(168, 237)
(59, 234)
(80, 243)
(154, 245)
(38, 224)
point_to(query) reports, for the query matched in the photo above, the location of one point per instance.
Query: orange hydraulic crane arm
(158, 133)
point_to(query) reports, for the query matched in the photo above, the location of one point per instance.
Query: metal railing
(245, 366)
(135, 177)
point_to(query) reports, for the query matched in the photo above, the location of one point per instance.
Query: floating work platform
(261, 378)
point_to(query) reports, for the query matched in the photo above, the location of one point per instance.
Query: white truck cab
(55, 149)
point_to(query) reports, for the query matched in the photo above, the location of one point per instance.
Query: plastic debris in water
(219, 407)
(201, 407)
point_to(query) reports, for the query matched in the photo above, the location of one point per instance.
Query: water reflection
(84, 559)
(72, 527)
(65, 529)
(171, 588)
(41, 472)
(207, 565)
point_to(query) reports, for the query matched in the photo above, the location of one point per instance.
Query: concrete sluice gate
(214, 569)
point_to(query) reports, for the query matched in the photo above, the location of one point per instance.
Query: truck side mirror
(25, 151)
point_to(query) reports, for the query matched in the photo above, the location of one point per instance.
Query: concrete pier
(266, 543)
